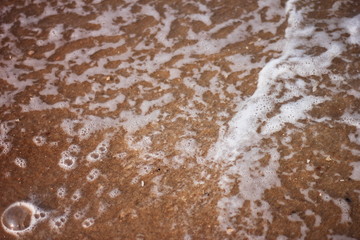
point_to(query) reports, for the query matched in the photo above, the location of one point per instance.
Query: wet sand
(150, 95)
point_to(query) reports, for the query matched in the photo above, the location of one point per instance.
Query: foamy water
(204, 119)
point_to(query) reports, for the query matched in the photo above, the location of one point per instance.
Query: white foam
(339, 237)
(5, 127)
(93, 175)
(100, 190)
(303, 229)
(145, 169)
(187, 147)
(39, 140)
(88, 222)
(355, 175)
(59, 222)
(61, 192)
(111, 105)
(345, 209)
(288, 72)
(121, 155)
(317, 217)
(133, 122)
(20, 162)
(90, 123)
(36, 104)
(240, 148)
(290, 113)
(158, 189)
(76, 195)
(55, 33)
(68, 161)
(165, 99)
(164, 30)
(102, 207)
(341, 203)
(352, 26)
(114, 193)
(81, 213)
(99, 152)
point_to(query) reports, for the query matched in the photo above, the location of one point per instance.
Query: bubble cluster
(102, 207)
(61, 192)
(99, 152)
(188, 147)
(68, 160)
(93, 175)
(20, 162)
(100, 191)
(88, 222)
(114, 193)
(39, 140)
(121, 155)
(58, 222)
(5, 127)
(76, 195)
(80, 214)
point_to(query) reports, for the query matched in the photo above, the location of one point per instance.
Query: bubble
(88, 222)
(20, 162)
(39, 140)
(61, 192)
(99, 152)
(67, 160)
(80, 213)
(58, 222)
(114, 193)
(94, 155)
(93, 175)
(100, 190)
(146, 169)
(40, 42)
(54, 144)
(76, 195)
(17, 218)
(102, 149)
(102, 207)
(4, 147)
(84, 132)
(121, 155)
(74, 148)
(21, 217)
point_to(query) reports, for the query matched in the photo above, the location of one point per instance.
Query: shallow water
(180, 119)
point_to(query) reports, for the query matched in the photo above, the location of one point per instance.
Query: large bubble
(21, 217)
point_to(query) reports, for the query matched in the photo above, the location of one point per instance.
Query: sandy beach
(190, 120)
